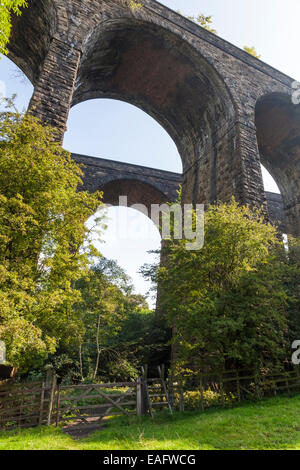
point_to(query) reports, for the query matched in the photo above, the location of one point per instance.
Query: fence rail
(29, 405)
(45, 403)
(204, 390)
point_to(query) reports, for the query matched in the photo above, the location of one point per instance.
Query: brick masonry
(225, 110)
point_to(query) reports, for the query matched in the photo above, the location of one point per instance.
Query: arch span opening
(116, 130)
(278, 135)
(129, 238)
(270, 184)
(14, 82)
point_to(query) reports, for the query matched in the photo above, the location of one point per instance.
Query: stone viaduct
(226, 111)
(147, 186)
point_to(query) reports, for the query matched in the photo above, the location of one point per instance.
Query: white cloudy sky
(116, 130)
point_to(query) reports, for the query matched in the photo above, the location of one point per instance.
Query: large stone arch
(150, 67)
(278, 135)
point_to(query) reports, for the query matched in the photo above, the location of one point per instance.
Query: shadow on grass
(268, 424)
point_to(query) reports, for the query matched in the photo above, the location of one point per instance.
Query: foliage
(195, 399)
(102, 310)
(7, 7)
(42, 232)
(123, 370)
(120, 332)
(290, 279)
(133, 4)
(226, 300)
(252, 51)
(144, 338)
(204, 21)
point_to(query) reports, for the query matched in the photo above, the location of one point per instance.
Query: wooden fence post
(162, 369)
(297, 374)
(20, 412)
(140, 397)
(238, 387)
(274, 387)
(201, 392)
(145, 371)
(51, 376)
(181, 398)
(171, 391)
(222, 390)
(42, 403)
(288, 384)
(256, 379)
(57, 405)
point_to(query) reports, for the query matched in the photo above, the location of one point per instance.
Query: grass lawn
(270, 424)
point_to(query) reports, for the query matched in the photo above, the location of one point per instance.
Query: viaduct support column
(228, 166)
(53, 92)
(252, 190)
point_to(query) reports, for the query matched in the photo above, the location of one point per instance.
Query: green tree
(226, 301)
(44, 243)
(120, 332)
(7, 8)
(290, 276)
(105, 294)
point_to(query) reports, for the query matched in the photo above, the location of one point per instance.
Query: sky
(119, 131)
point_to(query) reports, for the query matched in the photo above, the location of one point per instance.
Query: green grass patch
(269, 424)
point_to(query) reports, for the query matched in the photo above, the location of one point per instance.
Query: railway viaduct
(226, 111)
(147, 186)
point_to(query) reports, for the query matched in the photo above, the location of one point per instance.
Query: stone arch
(99, 173)
(154, 69)
(277, 122)
(137, 192)
(31, 36)
(141, 185)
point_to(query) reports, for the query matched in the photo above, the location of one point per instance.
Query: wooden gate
(37, 403)
(89, 404)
